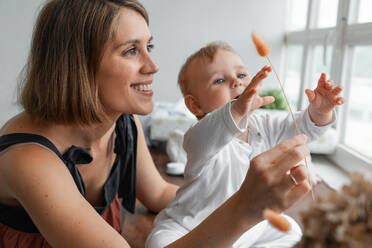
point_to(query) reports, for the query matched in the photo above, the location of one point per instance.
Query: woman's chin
(145, 110)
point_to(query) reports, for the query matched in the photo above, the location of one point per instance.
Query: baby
(219, 92)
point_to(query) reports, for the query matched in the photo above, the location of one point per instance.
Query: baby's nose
(236, 83)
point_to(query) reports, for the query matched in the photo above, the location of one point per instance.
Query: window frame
(344, 37)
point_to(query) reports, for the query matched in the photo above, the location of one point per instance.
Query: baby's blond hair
(208, 53)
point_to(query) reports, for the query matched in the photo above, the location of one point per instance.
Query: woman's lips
(144, 88)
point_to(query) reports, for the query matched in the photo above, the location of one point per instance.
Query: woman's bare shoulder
(35, 178)
(21, 123)
(23, 163)
(17, 155)
(39, 182)
(28, 153)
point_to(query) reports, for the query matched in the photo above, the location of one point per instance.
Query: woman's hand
(267, 184)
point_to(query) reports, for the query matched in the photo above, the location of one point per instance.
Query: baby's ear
(193, 105)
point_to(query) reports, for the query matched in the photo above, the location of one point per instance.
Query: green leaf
(279, 102)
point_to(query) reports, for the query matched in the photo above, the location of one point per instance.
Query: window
(364, 11)
(326, 14)
(336, 39)
(358, 131)
(293, 75)
(297, 17)
(321, 62)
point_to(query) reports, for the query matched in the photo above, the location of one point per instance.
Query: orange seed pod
(276, 220)
(262, 48)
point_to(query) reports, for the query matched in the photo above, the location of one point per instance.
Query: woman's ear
(193, 105)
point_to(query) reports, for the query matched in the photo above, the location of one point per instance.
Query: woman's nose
(149, 66)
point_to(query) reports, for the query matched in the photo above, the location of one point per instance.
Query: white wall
(179, 27)
(16, 23)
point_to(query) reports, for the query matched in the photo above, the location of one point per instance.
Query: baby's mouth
(236, 97)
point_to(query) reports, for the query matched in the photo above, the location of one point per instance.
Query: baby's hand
(249, 100)
(323, 100)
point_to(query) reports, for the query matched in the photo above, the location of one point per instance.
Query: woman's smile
(144, 88)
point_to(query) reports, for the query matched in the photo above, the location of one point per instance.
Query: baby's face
(215, 83)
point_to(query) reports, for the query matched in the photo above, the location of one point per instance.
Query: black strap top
(121, 181)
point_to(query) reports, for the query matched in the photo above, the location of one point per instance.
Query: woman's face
(126, 70)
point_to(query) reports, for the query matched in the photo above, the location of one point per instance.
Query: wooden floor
(138, 226)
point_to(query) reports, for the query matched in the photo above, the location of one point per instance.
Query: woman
(77, 148)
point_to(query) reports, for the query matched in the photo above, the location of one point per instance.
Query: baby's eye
(150, 47)
(242, 75)
(130, 52)
(219, 81)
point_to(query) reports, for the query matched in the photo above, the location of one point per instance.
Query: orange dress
(17, 228)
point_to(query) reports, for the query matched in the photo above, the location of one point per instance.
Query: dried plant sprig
(341, 219)
(276, 220)
(264, 51)
(262, 48)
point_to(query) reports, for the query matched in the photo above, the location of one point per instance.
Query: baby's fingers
(247, 95)
(340, 101)
(256, 80)
(336, 90)
(267, 100)
(245, 101)
(310, 95)
(328, 85)
(322, 80)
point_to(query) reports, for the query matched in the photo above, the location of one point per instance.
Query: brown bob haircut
(206, 53)
(59, 80)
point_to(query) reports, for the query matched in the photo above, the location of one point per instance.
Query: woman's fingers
(293, 177)
(272, 156)
(267, 181)
(292, 157)
(296, 193)
(298, 173)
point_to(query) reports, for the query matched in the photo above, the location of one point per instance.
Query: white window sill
(329, 172)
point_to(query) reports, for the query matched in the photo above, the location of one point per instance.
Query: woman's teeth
(142, 87)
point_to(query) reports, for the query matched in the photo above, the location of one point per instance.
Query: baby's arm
(323, 100)
(206, 138)
(249, 100)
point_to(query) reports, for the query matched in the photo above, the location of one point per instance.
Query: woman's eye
(130, 52)
(242, 75)
(219, 81)
(150, 48)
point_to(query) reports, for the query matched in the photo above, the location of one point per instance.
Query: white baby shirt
(218, 161)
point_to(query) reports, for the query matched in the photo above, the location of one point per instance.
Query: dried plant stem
(295, 123)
